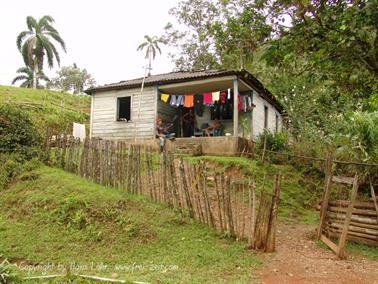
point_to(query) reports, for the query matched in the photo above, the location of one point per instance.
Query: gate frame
(339, 249)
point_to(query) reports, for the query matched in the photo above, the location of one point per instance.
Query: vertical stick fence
(217, 200)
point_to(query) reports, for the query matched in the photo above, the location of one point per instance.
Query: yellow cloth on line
(164, 97)
(216, 96)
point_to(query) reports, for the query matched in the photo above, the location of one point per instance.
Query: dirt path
(299, 260)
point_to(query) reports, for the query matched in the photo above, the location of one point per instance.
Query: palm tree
(151, 44)
(27, 76)
(35, 43)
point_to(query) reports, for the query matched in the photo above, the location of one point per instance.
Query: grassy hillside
(50, 216)
(53, 109)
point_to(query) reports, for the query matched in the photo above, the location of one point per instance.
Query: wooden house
(124, 110)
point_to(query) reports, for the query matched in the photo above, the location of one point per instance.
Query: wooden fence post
(326, 194)
(271, 238)
(341, 248)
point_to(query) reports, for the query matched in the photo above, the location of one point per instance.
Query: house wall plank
(104, 121)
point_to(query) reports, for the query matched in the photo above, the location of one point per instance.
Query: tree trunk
(35, 72)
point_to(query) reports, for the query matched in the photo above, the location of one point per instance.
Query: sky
(101, 36)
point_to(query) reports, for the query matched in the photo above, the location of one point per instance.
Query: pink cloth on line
(240, 104)
(207, 98)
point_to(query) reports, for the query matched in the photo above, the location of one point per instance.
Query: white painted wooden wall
(258, 116)
(104, 122)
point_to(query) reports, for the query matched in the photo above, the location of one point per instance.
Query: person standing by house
(188, 121)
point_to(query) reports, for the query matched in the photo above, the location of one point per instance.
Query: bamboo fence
(220, 201)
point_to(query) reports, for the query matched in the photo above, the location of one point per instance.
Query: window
(124, 109)
(276, 123)
(265, 117)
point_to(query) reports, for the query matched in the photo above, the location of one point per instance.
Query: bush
(11, 166)
(357, 138)
(17, 133)
(274, 141)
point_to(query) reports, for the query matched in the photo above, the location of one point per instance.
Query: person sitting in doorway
(214, 128)
(162, 132)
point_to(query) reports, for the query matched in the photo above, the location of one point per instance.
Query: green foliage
(151, 45)
(8, 273)
(274, 141)
(237, 38)
(13, 165)
(48, 109)
(192, 40)
(27, 75)
(361, 249)
(17, 133)
(36, 42)
(357, 137)
(72, 79)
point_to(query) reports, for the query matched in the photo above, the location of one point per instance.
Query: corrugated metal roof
(162, 78)
(183, 76)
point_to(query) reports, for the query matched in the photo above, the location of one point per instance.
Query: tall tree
(335, 39)
(151, 44)
(37, 41)
(27, 75)
(192, 39)
(72, 79)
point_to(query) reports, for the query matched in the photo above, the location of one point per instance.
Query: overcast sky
(101, 36)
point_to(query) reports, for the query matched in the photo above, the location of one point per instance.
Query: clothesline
(217, 99)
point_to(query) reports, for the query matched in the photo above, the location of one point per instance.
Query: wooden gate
(342, 219)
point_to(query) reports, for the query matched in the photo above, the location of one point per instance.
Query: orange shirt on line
(189, 100)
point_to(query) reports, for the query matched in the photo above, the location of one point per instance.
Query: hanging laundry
(240, 105)
(173, 100)
(198, 104)
(207, 98)
(244, 103)
(179, 101)
(223, 97)
(164, 97)
(189, 101)
(215, 96)
(249, 103)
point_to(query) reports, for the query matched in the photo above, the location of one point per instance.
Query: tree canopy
(37, 42)
(72, 79)
(27, 76)
(151, 44)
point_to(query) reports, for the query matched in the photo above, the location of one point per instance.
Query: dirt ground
(298, 259)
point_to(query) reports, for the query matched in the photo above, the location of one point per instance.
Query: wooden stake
(326, 194)
(341, 247)
(271, 237)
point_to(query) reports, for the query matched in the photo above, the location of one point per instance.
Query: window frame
(117, 102)
(266, 116)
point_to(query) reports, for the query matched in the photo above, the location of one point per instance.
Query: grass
(364, 250)
(53, 109)
(298, 191)
(52, 217)
(356, 249)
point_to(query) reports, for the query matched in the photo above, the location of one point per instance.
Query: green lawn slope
(48, 216)
(48, 109)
